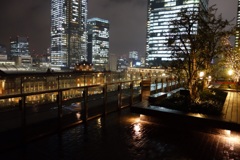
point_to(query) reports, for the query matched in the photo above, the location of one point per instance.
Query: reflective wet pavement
(121, 136)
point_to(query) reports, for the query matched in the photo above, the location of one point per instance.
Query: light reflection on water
(125, 136)
(226, 143)
(78, 116)
(99, 123)
(137, 131)
(230, 137)
(231, 144)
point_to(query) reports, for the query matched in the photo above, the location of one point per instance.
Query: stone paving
(122, 136)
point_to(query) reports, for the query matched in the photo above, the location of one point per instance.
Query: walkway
(231, 108)
(121, 136)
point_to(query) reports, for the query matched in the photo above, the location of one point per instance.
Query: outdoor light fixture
(201, 74)
(230, 72)
(209, 78)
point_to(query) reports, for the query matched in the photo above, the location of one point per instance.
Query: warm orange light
(230, 72)
(201, 74)
(137, 127)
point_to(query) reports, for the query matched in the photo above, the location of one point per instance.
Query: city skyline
(127, 20)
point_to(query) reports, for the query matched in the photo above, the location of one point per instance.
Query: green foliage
(210, 102)
(193, 49)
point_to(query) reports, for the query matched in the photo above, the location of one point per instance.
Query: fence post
(22, 108)
(85, 105)
(162, 87)
(156, 87)
(119, 96)
(131, 92)
(22, 104)
(167, 85)
(171, 84)
(59, 104)
(104, 100)
(146, 89)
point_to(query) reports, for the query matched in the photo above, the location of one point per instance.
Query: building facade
(112, 62)
(19, 46)
(19, 51)
(133, 55)
(98, 43)
(160, 15)
(122, 64)
(68, 32)
(3, 49)
(36, 83)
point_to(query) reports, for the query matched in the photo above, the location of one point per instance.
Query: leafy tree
(232, 62)
(195, 40)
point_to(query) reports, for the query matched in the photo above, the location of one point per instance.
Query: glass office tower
(238, 26)
(68, 32)
(160, 14)
(19, 46)
(98, 43)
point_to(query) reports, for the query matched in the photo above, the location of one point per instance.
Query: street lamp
(200, 81)
(230, 73)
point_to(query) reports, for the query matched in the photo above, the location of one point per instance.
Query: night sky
(127, 21)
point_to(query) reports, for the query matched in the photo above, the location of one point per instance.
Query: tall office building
(133, 55)
(98, 43)
(3, 49)
(68, 32)
(19, 51)
(160, 14)
(238, 26)
(19, 46)
(3, 52)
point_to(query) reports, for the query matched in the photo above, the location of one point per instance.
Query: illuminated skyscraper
(160, 14)
(98, 43)
(133, 55)
(68, 32)
(238, 26)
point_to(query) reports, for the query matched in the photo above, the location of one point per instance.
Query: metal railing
(31, 119)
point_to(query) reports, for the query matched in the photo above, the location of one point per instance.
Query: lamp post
(201, 74)
(201, 81)
(230, 73)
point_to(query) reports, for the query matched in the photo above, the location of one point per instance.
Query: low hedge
(210, 101)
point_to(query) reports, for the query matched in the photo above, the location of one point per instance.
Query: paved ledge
(177, 118)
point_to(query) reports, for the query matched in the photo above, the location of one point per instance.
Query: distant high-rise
(98, 43)
(68, 32)
(160, 14)
(133, 55)
(238, 26)
(3, 49)
(3, 52)
(19, 46)
(112, 59)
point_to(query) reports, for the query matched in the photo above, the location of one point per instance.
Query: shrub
(209, 102)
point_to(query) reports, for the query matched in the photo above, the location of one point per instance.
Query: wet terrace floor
(122, 136)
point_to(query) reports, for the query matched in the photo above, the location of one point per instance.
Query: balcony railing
(33, 114)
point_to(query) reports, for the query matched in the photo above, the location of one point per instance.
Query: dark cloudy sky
(127, 21)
